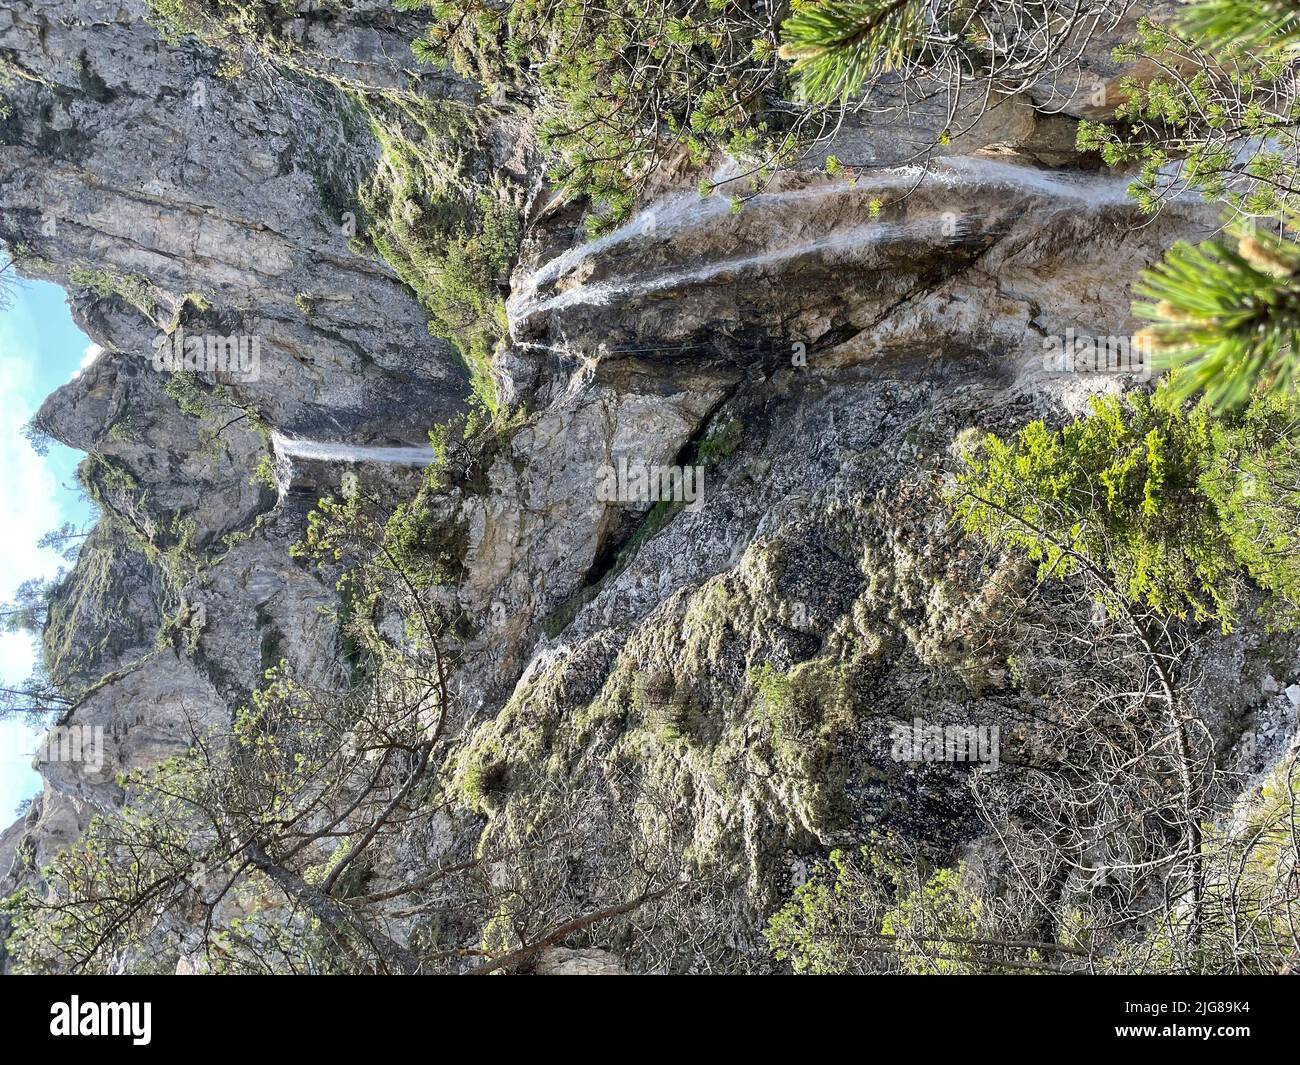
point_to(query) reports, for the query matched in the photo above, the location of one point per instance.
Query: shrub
(452, 242)
(1165, 504)
(621, 94)
(127, 287)
(868, 911)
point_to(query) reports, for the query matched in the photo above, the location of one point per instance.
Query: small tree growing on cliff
(624, 91)
(938, 50)
(306, 839)
(1087, 867)
(1149, 507)
(36, 699)
(881, 910)
(273, 852)
(29, 609)
(8, 278)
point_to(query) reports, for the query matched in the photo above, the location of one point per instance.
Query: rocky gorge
(723, 680)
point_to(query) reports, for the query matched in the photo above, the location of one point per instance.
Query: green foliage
(1220, 119)
(189, 395)
(1117, 489)
(1230, 320)
(839, 46)
(30, 606)
(1224, 130)
(109, 483)
(450, 239)
(264, 473)
(772, 687)
(127, 287)
(218, 22)
(1252, 883)
(814, 930)
(721, 443)
(384, 557)
(871, 911)
(1165, 505)
(483, 773)
(1254, 24)
(123, 430)
(1254, 481)
(198, 828)
(622, 92)
(86, 910)
(427, 552)
(180, 559)
(806, 711)
(175, 19)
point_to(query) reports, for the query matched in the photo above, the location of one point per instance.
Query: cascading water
(287, 449)
(606, 292)
(688, 213)
(964, 179)
(334, 451)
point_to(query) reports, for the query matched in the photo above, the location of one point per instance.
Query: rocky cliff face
(163, 196)
(815, 356)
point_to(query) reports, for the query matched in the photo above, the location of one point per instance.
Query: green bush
(452, 242)
(869, 911)
(1165, 504)
(622, 93)
(127, 287)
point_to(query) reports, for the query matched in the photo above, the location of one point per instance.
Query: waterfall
(682, 213)
(336, 451)
(844, 242)
(689, 212)
(1105, 190)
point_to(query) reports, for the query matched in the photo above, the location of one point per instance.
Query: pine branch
(1260, 25)
(1229, 321)
(838, 46)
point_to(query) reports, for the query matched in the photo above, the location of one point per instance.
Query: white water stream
(605, 292)
(688, 212)
(333, 451)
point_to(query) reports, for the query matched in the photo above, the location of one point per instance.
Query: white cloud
(93, 351)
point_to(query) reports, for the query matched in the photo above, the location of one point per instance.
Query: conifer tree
(838, 47)
(1255, 24)
(1229, 319)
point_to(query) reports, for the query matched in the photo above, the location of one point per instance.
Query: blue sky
(40, 349)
